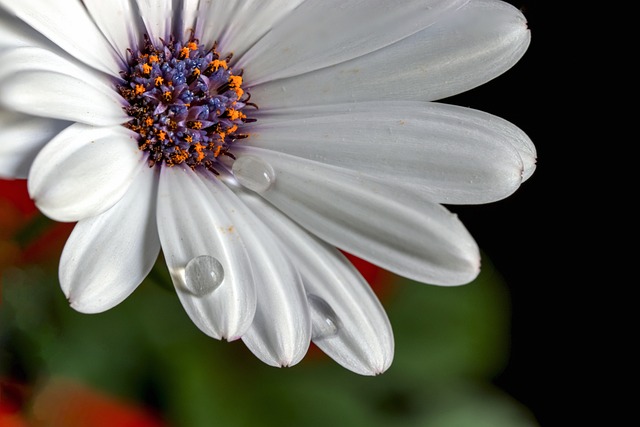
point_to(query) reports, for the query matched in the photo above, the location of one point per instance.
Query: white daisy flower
(248, 140)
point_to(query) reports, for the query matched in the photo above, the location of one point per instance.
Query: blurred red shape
(11, 398)
(65, 403)
(17, 211)
(378, 278)
(15, 192)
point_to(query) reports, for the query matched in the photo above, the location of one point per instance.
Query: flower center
(186, 103)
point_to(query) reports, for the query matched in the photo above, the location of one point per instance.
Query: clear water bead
(324, 320)
(254, 173)
(203, 275)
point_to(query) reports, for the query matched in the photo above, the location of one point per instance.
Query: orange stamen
(235, 114)
(217, 63)
(199, 149)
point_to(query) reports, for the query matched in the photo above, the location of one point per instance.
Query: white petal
(464, 50)
(195, 219)
(118, 21)
(352, 327)
(190, 12)
(450, 154)
(320, 33)
(15, 33)
(83, 171)
(214, 19)
(239, 25)
(156, 15)
(527, 152)
(281, 330)
(389, 225)
(58, 96)
(38, 82)
(21, 139)
(67, 24)
(211, 19)
(107, 256)
(33, 58)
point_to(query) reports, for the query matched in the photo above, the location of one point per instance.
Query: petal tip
(371, 370)
(529, 167)
(84, 307)
(381, 369)
(288, 361)
(88, 303)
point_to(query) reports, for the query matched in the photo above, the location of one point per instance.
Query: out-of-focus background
(470, 356)
(146, 364)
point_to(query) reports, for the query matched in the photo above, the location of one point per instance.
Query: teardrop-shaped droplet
(254, 173)
(324, 320)
(203, 274)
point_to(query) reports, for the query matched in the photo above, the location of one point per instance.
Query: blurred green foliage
(450, 343)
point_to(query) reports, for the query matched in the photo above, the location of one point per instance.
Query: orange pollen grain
(167, 96)
(235, 115)
(180, 155)
(199, 149)
(184, 52)
(235, 81)
(188, 138)
(140, 89)
(148, 121)
(217, 63)
(162, 135)
(197, 125)
(158, 81)
(153, 59)
(192, 45)
(146, 68)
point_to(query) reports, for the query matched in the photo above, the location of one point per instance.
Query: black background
(520, 234)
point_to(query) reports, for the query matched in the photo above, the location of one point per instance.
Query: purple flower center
(186, 103)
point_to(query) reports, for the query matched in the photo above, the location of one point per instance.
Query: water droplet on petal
(203, 274)
(324, 320)
(254, 173)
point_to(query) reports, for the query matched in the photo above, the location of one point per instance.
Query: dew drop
(324, 320)
(203, 274)
(254, 173)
